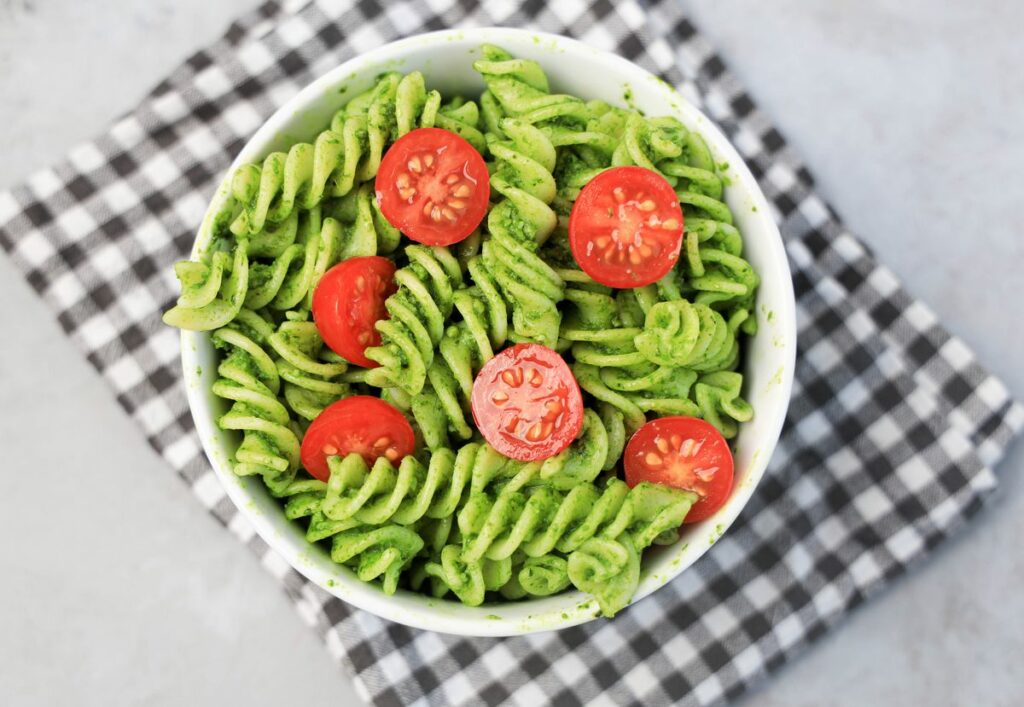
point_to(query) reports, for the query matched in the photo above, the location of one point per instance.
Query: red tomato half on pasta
(433, 186)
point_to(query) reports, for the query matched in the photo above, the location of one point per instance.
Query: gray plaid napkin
(893, 430)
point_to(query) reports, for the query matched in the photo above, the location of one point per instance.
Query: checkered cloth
(893, 430)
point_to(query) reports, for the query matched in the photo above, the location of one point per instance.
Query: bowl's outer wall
(446, 59)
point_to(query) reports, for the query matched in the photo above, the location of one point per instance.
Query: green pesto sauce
(630, 101)
(719, 529)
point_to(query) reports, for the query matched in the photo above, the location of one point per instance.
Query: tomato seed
(705, 474)
(646, 205)
(382, 442)
(449, 214)
(535, 433)
(686, 448)
(462, 191)
(457, 204)
(330, 450)
(512, 424)
(428, 160)
(415, 165)
(670, 224)
(391, 455)
(499, 398)
(360, 283)
(407, 194)
(402, 180)
(513, 377)
(662, 444)
(535, 377)
(676, 441)
(620, 196)
(653, 459)
(452, 178)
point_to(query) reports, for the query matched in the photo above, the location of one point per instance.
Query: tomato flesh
(361, 424)
(526, 403)
(433, 186)
(685, 453)
(626, 227)
(347, 303)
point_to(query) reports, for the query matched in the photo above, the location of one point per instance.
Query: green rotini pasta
(455, 518)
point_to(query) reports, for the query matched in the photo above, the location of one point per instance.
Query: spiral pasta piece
(693, 336)
(648, 142)
(540, 520)
(607, 568)
(410, 492)
(415, 107)
(346, 154)
(718, 396)
(543, 576)
(312, 373)
(520, 89)
(404, 494)
(209, 300)
(609, 366)
(250, 380)
(418, 310)
(300, 178)
(441, 408)
(517, 225)
(377, 553)
(469, 581)
(596, 449)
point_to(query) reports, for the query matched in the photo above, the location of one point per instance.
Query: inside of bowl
(768, 355)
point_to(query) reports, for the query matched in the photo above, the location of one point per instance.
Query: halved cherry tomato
(527, 403)
(360, 424)
(348, 301)
(685, 453)
(433, 186)
(626, 227)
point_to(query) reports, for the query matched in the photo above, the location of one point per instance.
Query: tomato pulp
(362, 424)
(526, 403)
(685, 453)
(347, 303)
(626, 227)
(433, 186)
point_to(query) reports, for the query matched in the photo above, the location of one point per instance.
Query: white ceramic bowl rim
(770, 355)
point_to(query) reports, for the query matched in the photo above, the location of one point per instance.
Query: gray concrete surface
(119, 589)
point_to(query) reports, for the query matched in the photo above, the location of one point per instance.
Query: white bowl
(573, 67)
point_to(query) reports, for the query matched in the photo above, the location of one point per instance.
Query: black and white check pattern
(893, 430)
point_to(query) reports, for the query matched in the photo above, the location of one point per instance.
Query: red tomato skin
(594, 217)
(335, 299)
(453, 155)
(557, 385)
(713, 452)
(355, 424)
